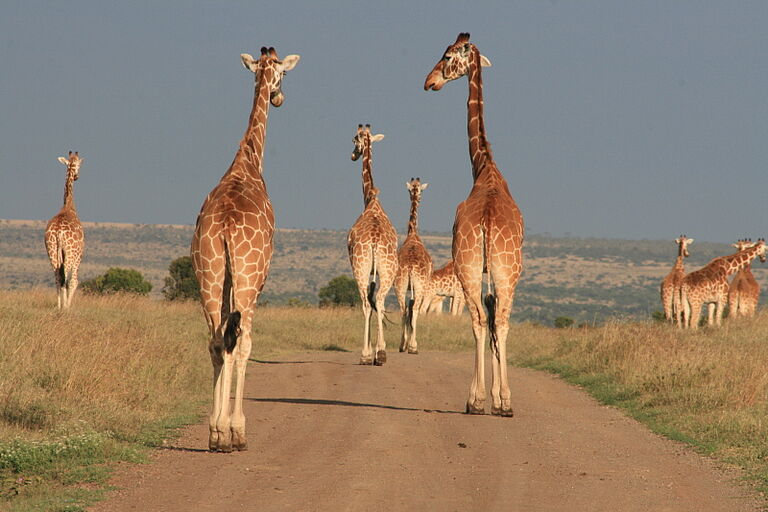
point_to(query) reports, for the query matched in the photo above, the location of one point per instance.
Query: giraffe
(710, 284)
(744, 291)
(372, 246)
(64, 239)
(414, 271)
(670, 286)
(444, 283)
(231, 251)
(487, 233)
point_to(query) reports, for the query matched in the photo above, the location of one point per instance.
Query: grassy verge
(83, 389)
(708, 389)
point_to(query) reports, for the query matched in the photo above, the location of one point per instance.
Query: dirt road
(327, 434)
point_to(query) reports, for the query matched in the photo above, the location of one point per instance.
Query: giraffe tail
(61, 274)
(230, 315)
(490, 298)
(372, 284)
(411, 302)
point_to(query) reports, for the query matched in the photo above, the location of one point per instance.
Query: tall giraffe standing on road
(487, 233)
(670, 286)
(414, 270)
(744, 290)
(231, 252)
(372, 246)
(64, 239)
(709, 285)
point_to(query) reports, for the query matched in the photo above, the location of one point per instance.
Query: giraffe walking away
(372, 247)
(744, 290)
(64, 238)
(231, 251)
(670, 286)
(414, 271)
(709, 285)
(444, 283)
(487, 234)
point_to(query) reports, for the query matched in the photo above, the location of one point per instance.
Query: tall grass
(86, 386)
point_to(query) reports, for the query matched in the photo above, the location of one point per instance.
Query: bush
(117, 279)
(562, 322)
(340, 291)
(181, 284)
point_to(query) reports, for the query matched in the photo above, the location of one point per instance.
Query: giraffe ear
(689, 240)
(735, 245)
(377, 137)
(424, 186)
(290, 61)
(484, 62)
(63, 160)
(249, 63)
(408, 185)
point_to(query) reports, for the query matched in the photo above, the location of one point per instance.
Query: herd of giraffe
(683, 295)
(232, 248)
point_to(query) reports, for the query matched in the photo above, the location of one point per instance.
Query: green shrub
(118, 280)
(181, 284)
(340, 291)
(562, 322)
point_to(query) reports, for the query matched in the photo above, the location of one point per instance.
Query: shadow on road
(262, 361)
(343, 403)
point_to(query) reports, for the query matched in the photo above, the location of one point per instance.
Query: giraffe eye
(446, 57)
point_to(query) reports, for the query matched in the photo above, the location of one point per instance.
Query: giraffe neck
(479, 147)
(69, 196)
(735, 262)
(368, 187)
(679, 263)
(251, 152)
(413, 220)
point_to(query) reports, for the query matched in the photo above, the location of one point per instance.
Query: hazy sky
(609, 119)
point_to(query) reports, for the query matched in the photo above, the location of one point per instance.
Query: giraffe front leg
(476, 401)
(711, 314)
(720, 310)
(217, 360)
(366, 357)
(242, 352)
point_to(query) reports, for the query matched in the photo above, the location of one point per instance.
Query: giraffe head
(362, 138)
(72, 162)
(272, 69)
(454, 63)
(761, 251)
(415, 188)
(682, 243)
(743, 243)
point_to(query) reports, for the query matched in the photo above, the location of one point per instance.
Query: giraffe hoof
(366, 361)
(239, 441)
(413, 351)
(381, 358)
(476, 408)
(505, 413)
(402, 349)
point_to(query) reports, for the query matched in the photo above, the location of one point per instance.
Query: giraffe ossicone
(64, 239)
(231, 252)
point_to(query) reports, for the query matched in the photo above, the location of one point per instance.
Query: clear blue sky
(609, 119)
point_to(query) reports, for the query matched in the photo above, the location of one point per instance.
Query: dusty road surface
(327, 434)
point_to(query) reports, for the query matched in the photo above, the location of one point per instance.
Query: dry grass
(117, 371)
(707, 388)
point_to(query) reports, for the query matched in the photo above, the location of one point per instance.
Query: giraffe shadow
(183, 449)
(345, 403)
(263, 361)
